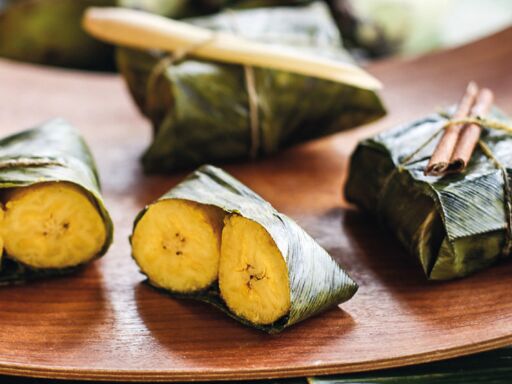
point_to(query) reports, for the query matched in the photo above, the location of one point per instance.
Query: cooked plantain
(253, 277)
(177, 244)
(52, 217)
(1, 232)
(52, 225)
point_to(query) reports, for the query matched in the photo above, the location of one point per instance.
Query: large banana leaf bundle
(201, 110)
(454, 225)
(213, 239)
(52, 216)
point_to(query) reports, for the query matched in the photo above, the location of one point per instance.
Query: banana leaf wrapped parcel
(453, 225)
(52, 217)
(201, 110)
(213, 239)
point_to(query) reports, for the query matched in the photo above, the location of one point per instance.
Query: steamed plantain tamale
(202, 111)
(213, 239)
(53, 219)
(454, 224)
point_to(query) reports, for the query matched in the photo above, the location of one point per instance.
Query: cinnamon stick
(440, 160)
(471, 132)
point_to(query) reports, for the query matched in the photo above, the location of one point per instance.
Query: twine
(252, 94)
(250, 85)
(172, 58)
(254, 116)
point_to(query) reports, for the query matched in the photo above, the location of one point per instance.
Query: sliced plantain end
(177, 244)
(253, 276)
(241, 256)
(1, 231)
(52, 225)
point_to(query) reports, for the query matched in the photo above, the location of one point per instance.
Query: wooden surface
(105, 324)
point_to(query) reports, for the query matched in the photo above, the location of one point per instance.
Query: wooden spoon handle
(148, 31)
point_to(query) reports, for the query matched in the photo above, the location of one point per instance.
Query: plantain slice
(52, 225)
(177, 244)
(253, 277)
(271, 273)
(1, 232)
(54, 218)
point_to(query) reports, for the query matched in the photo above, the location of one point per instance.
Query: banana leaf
(51, 152)
(316, 280)
(453, 225)
(200, 109)
(491, 367)
(49, 32)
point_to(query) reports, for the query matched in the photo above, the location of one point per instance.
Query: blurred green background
(49, 32)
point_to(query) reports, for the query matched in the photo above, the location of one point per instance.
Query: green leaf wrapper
(51, 152)
(316, 281)
(200, 109)
(454, 225)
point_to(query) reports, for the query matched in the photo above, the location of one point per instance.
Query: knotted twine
(482, 122)
(250, 85)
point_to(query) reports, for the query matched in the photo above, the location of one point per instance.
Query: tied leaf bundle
(52, 217)
(213, 239)
(205, 111)
(455, 224)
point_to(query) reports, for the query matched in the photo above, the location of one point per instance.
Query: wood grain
(104, 324)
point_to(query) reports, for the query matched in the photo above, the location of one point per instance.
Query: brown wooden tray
(104, 324)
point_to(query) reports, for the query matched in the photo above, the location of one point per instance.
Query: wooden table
(103, 324)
